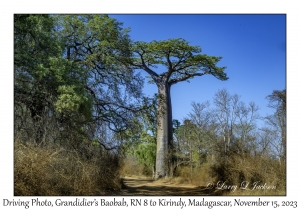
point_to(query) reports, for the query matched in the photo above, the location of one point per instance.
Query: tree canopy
(181, 60)
(71, 69)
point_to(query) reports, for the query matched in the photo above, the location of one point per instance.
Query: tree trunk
(164, 131)
(153, 171)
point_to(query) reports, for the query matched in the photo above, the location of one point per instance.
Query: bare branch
(107, 148)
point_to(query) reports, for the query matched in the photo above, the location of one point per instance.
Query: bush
(236, 171)
(56, 171)
(252, 170)
(200, 176)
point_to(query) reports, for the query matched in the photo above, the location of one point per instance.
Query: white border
(8, 8)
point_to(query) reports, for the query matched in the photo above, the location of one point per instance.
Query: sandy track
(149, 187)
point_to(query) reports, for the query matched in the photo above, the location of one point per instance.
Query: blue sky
(253, 48)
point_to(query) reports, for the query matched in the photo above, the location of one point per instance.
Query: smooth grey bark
(164, 167)
(164, 120)
(164, 130)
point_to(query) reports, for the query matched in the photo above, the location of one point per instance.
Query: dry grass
(131, 168)
(57, 171)
(253, 175)
(264, 176)
(199, 176)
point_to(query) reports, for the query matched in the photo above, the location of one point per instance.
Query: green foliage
(99, 46)
(93, 39)
(141, 138)
(69, 100)
(71, 71)
(146, 150)
(182, 60)
(33, 42)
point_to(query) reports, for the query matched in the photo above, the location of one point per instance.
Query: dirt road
(149, 187)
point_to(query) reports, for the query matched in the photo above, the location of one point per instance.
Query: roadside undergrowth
(57, 171)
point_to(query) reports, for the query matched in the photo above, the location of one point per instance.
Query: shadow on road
(148, 187)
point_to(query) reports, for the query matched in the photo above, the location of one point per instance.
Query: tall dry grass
(199, 176)
(57, 171)
(263, 176)
(130, 167)
(253, 175)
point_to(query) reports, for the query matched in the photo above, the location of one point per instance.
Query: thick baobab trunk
(164, 131)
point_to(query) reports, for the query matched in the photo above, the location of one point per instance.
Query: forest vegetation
(82, 121)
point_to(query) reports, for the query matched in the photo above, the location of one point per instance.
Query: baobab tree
(182, 62)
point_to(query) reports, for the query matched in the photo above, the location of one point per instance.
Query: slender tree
(182, 62)
(277, 121)
(225, 114)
